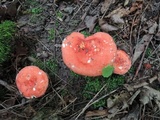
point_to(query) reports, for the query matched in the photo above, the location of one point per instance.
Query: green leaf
(107, 71)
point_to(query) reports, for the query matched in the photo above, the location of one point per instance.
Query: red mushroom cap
(32, 82)
(122, 62)
(88, 56)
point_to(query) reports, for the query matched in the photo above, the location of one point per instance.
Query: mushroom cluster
(32, 82)
(88, 56)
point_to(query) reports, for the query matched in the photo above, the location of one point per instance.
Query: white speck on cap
(63, 45)
(110, 44)
(89, 60)
(34, 89)
(120, 67)
(72, 66)
(39, 72)
(112, 60)
(41, 81)
(105, 41)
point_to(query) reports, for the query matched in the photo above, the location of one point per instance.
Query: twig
(140, 64)
(89, 103)
(130, 36)
(78, 9)
(6, 85)
(103, 97)
(8, 108)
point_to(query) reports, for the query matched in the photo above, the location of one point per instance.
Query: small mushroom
(122, 63)
(32, 82)
(88, 56)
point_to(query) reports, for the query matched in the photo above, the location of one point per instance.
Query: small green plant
(51, 33)
(7, 31)
(132, 70)
(34, 7)
(36, 10)
(85, 33)
(31, 2)
(148, 52)
(97, 28)
(107, 71)
(59, 15)
(49, 66)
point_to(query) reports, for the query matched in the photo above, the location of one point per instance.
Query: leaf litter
(120, 18)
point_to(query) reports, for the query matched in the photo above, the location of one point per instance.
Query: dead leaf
(90, 22)
(106, 27)
(136, 5)
(118, 103)
(96, 113)
(9, 9)
(117, 19)
(134, 97)
(140, 47)
(126, 2)
(120, 11)
(105, 5)
(153, 28)
(117, 99)
(148, 94)
(133, 114)
(21, 49)
(95, 2)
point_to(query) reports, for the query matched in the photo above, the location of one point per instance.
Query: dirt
(43, 25)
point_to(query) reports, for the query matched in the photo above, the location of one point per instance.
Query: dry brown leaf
(117, 99)
(96, 113)
(126, 2)
(153, 28)
(148, 94)
(120, 11)
(136, 5)
(95, 2)
(90, 22)
(140, 47)
(106, 4)
(106, 27)
(117, 19)
(133, 97)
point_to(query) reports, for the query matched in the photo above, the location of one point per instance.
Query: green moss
(114, 82)
(7, 30)
(51, 33)
(94, 85)
(76, 76)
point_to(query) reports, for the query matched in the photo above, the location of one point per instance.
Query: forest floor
(42, 25)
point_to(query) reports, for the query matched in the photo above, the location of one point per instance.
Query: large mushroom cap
(32, 82)
(122, 62)
(88, 56)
